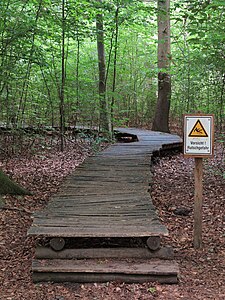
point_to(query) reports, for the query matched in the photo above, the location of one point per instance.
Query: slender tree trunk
(109, 55)
(221, 107)
(114, 67)
(161, 118)
(77, 80)
(49, 97)
(62, 112)
(23, 97)
(104, 120)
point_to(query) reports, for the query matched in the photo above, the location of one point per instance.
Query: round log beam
(153, 242)
(57, 244)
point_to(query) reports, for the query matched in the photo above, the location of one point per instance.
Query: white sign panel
(198, 135)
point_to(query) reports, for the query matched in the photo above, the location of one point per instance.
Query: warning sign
(198, 130)
(198, 135)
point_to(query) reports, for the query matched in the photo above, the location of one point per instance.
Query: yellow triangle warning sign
(198, 130)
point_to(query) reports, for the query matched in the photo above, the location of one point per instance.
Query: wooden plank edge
(47, 253)
(69, 232)
(103, 277)
(167, 148)
(109, 266)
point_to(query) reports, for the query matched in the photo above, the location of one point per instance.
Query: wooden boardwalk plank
(103, 253)
(87, 266)
(107, 196)
(97, 231)
(90, 270)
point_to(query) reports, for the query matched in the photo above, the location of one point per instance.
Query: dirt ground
(202, 272)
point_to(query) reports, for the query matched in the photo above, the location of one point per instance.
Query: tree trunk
(104, 120)
(161, 118)
(24, 93)
(77, 80)
(114, 66)
(62, 111)
(7, 186)
(221, 106)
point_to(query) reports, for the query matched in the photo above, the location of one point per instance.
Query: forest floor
(202, 272)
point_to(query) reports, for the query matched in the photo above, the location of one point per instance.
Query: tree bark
(161, 118)
(104, 120)
(62, 110)
(114, 66)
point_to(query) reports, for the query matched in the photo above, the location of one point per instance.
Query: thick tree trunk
(161, 119)
(104, 120)
(7, 186)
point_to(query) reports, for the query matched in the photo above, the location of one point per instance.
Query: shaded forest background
(49, 61)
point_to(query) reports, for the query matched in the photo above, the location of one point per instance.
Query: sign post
(198, 143)
(198, 203)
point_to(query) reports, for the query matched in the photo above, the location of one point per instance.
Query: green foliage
(96, 143)
(152, 290)
(221, 165)
(198, 58)
(30, 60)
(2, 202)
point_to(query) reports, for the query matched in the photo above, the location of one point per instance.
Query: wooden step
(93, 253)
(105, 229)
(104, 270)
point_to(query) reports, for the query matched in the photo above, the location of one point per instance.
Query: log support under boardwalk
(154, 242)
(57, 244)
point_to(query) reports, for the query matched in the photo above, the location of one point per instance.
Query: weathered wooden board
(100, 230)
(103, 277)
(106, 197)
(89, 266)
(102, 271)
(140, 253)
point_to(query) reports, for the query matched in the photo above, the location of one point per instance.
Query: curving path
(106, 197)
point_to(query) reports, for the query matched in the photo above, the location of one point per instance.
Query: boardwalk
(108, 195)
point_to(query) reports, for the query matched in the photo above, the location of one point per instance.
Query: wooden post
(198, 203)
(198, 143)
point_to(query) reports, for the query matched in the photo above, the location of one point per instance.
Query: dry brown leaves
(201, 272)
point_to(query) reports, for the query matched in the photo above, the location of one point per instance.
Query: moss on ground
(8, 186)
